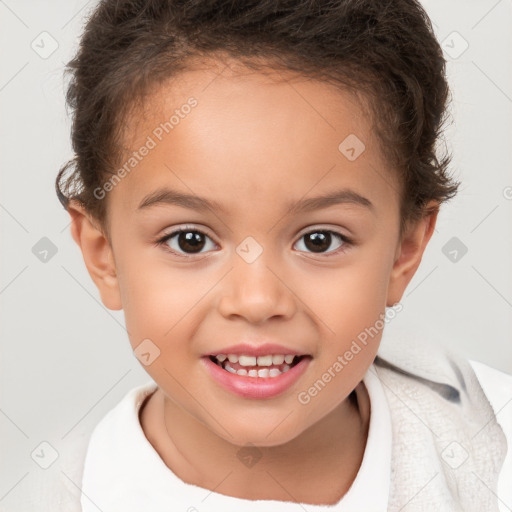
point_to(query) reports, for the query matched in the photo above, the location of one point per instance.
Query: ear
(409, 252)
(97, 254)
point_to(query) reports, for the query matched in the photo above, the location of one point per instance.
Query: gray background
(66, 360)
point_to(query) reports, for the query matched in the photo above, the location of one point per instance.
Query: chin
(258, 435)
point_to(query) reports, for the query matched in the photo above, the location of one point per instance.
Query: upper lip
(256, 350)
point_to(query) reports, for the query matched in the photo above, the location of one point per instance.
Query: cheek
(351, 306)
(351, 312)
(160, 312)
(349, 299)
(156, 297)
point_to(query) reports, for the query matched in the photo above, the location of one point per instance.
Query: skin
(253, 143)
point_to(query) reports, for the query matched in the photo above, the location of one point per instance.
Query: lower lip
(256, 387)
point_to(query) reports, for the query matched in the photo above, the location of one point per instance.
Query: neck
(327, 455)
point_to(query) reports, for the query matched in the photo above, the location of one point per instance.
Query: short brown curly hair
(386, 51)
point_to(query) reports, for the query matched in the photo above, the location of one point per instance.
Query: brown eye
(186, 241)
(318, 242)
(321, 240)
(190, 241)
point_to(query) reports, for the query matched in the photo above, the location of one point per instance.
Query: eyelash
(161, 242)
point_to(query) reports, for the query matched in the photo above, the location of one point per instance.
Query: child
(255, 184)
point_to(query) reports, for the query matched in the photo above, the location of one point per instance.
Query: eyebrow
(166, 196)
(173, 197)
(342, 196)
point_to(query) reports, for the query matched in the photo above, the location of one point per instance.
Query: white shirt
(124, 472)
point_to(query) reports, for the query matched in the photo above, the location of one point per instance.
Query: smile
(256, 367)
(256, 377)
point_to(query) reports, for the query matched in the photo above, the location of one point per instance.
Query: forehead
(218, 129)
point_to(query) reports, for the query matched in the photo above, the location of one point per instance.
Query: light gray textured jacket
(448, 448)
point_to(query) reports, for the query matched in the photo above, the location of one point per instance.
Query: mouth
(256, 377)
(261, 367)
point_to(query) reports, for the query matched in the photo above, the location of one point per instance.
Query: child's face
(254, 147)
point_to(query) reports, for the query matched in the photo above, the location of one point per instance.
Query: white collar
(123, 471)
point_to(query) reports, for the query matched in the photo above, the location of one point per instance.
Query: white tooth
(241, 372)
(247, 360)
(278, 359)
(229, 369)
(288, 358)
(253, 373)
(221, 357)
(265, 361)
(233, 358)
(274, 372)
(285, 368)
(263, 373)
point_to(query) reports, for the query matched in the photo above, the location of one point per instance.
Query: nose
(256, 292)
